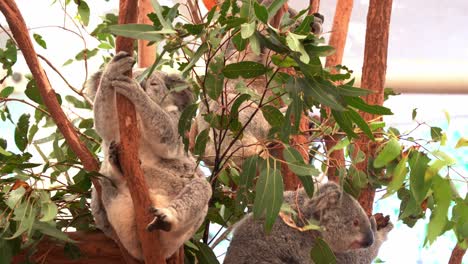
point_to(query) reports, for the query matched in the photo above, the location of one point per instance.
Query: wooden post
(129, 140)
(373, 78)
(314, 6)
(338, 41)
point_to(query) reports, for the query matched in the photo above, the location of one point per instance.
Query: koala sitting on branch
(179, 190)
(343, 225)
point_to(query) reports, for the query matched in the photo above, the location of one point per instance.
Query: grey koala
(344, 226)
(179, 190)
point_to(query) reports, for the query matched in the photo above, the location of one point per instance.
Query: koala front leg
(157, 123)
(185, 210)
(105, 109)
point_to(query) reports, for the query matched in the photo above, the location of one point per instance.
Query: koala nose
(368, 239)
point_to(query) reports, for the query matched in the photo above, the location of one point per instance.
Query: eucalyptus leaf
(389, 152)
(269, 196)
(244, 69)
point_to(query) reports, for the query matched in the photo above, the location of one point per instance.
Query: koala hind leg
(185, 210)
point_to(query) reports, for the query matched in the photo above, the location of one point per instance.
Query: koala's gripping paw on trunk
(164, 219)
(121, 64)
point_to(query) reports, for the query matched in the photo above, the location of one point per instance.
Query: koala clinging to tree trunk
(179, 190)
(344, 226)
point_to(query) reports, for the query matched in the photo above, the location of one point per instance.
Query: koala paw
(163, 219)
(126, 86)
(114, 151)
(120, 64)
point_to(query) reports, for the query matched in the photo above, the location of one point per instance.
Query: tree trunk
(457, 255)
(373, 78)
(338, 41)
(129, 140)
(21, 35)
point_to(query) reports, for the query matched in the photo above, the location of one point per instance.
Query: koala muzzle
(368, 239)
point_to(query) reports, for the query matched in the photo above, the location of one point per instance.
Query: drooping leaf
(321, 252)
(39, 40)
(312, 87)
(272, 115)
(360, 122)
(198, 54)
(21, 132)
(269, 196)
(398, 177)
(261, 12)
(200, 142)
(442, 198)
(214, 81)
(362, 105)
(390, 151)
(344, 123)
(274, 7)
(7, 91)
(205, 254)
(249, 170)
(304, 171)
(248, 29)
(436, 133)
(83, 11)
(244, 69)
(419, 184)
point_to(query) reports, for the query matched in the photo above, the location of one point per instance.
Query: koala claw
(121, 63)
(161, 220)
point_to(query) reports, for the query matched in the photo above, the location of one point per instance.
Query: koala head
(344, 223)
(170, 91)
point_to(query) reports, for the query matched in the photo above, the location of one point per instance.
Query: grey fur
(336, 212)
(179, 190)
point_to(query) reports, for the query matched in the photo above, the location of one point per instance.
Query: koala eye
(356, 222)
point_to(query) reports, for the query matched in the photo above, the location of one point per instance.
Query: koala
(178, 189)
(343, 225)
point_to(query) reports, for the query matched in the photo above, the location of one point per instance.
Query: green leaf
(321, 252)
(415, 112)
(200, 142)
(4, 152)
(249, 171)
(272, 115)
(255, 45)
(345, 123)
(194, 29)
(248, 29)
(39, 40)
(239, 42)
(282, 61)
(21, 132)
(76, 102)
(244, 69)
(358, 178)
(462, 142)
(139, 31)
(200, 51)
(269, 196)
(294, 43)
(419, 184)
(304, 171)
(48, 212)
(86, 54)
(390, 151)
(436, 133)
(68, 62)
(360, 122)
(274, 7)
(205, 254)
(349, 90)
(261, 12)
(362, 105)
(50, 230)
(14, 197)
(157, 10)
(214, 82)
(398, 177)
(185, 119)
(7, 91)
(442, 198)
(313, 88)
(83, 11)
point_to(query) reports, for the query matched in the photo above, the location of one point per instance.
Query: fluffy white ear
(327, 196)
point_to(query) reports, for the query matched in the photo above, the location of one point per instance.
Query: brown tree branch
(146, 54)
(314, 6)
(457, 255)
(373, 78)
(129, 142)
(338, 41)
(20, 33)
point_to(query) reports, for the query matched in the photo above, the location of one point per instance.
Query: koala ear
(92, 85)
(328, 196)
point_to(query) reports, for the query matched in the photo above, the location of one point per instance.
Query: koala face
(345, 225)
(171, 92)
